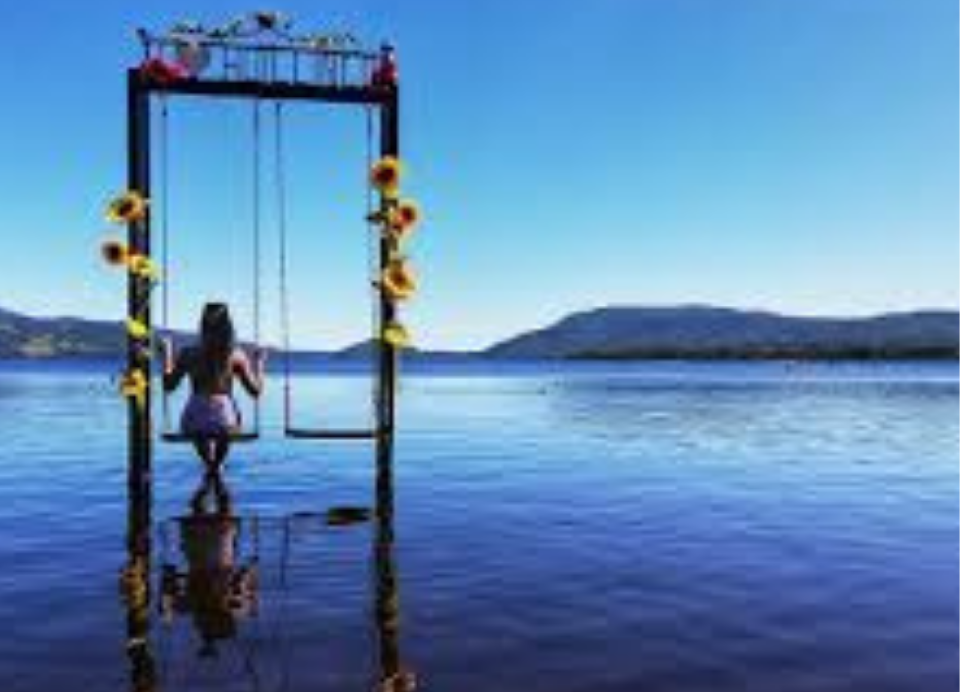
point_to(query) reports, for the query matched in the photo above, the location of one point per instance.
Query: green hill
(34, 337)
(711, 332)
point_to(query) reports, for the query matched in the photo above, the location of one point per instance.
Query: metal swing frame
(281, 70)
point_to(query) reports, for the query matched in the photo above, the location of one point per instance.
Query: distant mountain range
(606, 333)
(711, 332)
(41, 337)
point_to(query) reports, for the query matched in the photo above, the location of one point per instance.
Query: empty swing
(169, 432)
(292, 430)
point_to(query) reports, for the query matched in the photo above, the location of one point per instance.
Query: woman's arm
(173, 366)
(250, 374)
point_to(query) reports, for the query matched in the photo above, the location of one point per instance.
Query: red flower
(385, 73)
(162, 71)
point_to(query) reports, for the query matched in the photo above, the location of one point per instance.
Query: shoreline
(707, 356)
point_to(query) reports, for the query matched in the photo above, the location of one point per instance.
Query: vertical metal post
(389, 146)
(387, 599)
(138, 287)
(136, 592)
(139, 488)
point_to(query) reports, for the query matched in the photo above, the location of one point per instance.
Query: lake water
(579, 528)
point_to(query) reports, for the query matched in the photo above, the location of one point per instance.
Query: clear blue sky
(794, 155)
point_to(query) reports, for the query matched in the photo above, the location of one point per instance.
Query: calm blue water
(564, 528)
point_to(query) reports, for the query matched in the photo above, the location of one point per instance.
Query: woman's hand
(260, 359)
(166, 351)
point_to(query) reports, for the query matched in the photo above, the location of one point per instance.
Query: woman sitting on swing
(212, 415)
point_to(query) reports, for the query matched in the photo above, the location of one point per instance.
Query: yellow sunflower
(133, 385)
(129, 207)
(408, 213)
(404, 218)
(385, 175)
(137, 329)
(398, 280)
(143, 266)
(114, 252)
(396, 335)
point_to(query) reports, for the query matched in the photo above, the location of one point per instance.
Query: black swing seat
(333, 434)
(232, 437)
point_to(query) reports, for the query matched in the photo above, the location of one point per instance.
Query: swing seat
(333, 434)
(175, 437)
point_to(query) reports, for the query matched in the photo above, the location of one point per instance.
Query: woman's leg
(221, 447)
(207, 485)
(204, 447)
(222, 495)
(210, 452)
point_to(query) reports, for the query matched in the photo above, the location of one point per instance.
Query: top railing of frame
(263, 47)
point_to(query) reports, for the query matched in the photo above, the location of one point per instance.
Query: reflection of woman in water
(208, 545)
(215, 590)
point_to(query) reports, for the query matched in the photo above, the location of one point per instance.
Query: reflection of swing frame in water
(216, 584)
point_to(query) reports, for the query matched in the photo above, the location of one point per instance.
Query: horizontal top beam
(268, 90)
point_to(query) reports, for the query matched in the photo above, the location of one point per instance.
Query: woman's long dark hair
(217, 340)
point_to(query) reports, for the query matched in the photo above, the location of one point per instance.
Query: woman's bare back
(208, 378)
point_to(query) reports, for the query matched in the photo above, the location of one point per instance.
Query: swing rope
(165, 244)
(256, 247)
(281, 201)
(169, 434)
(373, 269)
(284, 288)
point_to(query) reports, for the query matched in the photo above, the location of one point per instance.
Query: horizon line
(547, 323)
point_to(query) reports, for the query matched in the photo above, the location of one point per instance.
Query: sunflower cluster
(396, 218)
(130, 208)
